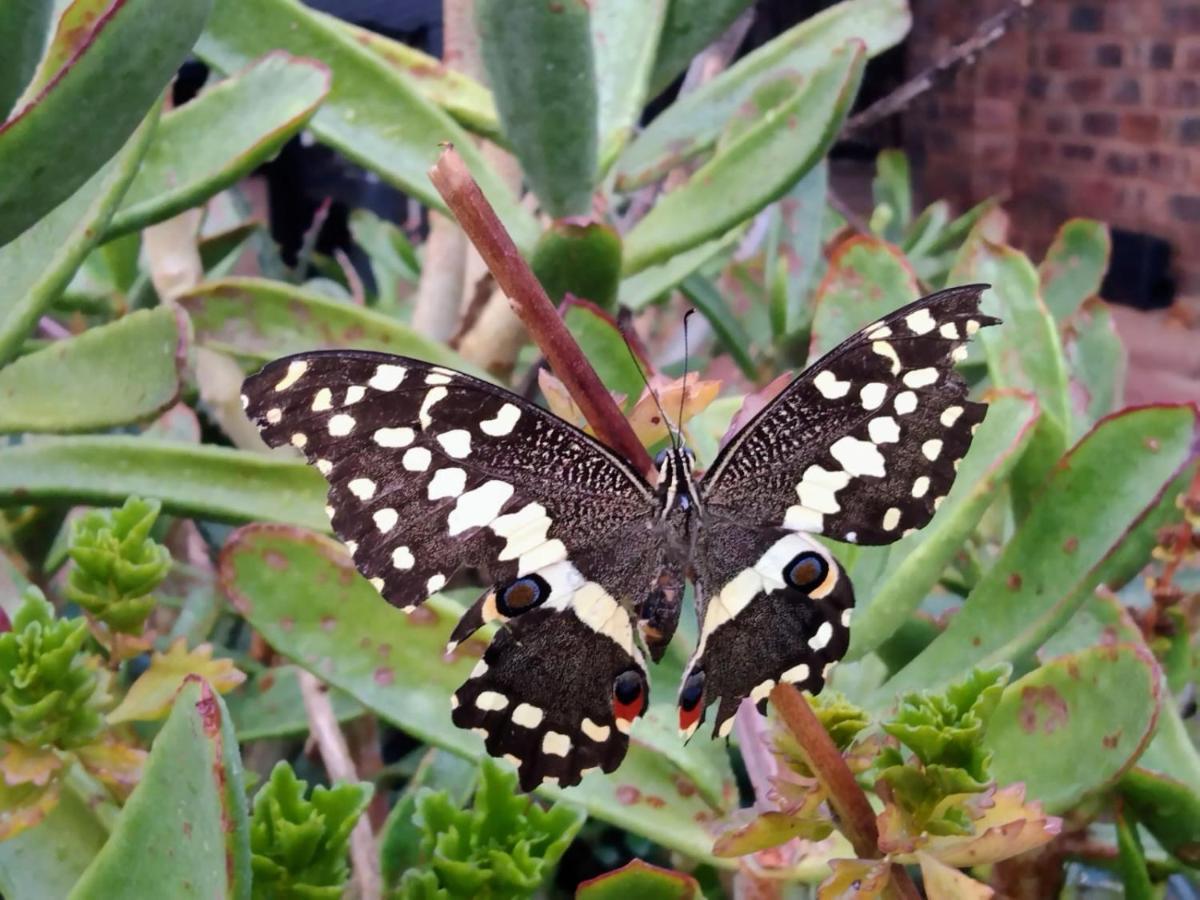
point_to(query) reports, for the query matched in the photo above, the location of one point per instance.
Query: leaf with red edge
(943, 882)
(151, 696)
(642, 880)
(1005, 826)
(855, 879)
(119, 766)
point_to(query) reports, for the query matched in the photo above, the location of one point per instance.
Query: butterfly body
(432, 470)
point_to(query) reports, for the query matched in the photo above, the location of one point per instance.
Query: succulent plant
(117, 564)
(52, 692)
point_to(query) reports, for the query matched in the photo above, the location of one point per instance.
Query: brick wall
(1090, 107)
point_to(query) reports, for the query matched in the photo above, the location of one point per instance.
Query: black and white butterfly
(431, 470)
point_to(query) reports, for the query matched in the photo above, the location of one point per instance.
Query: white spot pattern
(394, 437)
(919, 378)
(295, 370)
(932, 449)
(905, 402)
(362, 488)
(886, 350)
(478, 507)
(448, 482)
(818, 489)
(416, 459)
(490, 701)
(555, 744)
(323, 400)
(950, 415)
(386, 519)
(858, 457)
(402, 558)
(883, 430)
(387, 377)
(504, 421)
(891, 519)
(920, 487)
(434, 395)
(341, 425)
(821, 639)
(873, 394)
(527, 716)
(829, 386)
(920, 322)
(456, 443)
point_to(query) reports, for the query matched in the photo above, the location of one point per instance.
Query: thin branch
(477, 218)
(335, 753)
(856, 819)
(989, 31)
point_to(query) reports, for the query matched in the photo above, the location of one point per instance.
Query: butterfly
(431, 470)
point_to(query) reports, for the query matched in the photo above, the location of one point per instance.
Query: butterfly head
(676, 484)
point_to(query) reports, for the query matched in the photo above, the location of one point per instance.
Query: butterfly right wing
(431, 470)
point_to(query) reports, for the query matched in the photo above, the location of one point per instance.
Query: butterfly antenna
(683, 387)
(646, 381)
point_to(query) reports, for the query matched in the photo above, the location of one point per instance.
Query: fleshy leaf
(150, 697)
(299, 844)
(855, 879)
(943, 882)
(642, 880)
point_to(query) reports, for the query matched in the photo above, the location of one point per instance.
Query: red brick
(1078, 152)
(1141, 127)
(1122, 164)
(1126, 91)
(1101, 124)
(1085, 88)
(994, 115)
(1186, 208)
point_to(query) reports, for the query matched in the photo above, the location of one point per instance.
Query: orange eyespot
(629, 695)
(521, 595)
(806, 572)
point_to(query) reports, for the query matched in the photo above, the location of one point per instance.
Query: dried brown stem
(856, 819)
(477, 218)
(335, 753)
(989, 31)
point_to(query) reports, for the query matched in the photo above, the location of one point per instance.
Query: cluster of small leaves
(52, 692)
(299, 845)
(503, 845)
(945, 734)
(118, 564)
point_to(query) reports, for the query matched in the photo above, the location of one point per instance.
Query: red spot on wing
(688, 717)
(631, 710)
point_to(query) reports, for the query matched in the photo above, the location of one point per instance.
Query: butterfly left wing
(431, 470)
(861, 447)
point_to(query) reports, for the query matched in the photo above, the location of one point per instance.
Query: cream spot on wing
(522, 530)
(851, 536)
(481, 669)
(760, 691)
(796, 674)
(596, 608)
(323, 400)
(829, 386)
(920, 322)
(847, 614)
(377, 583)
(821, 639)
(801, 518)
(873, 394)
(416, 459)
(886, 350)
(878, 331)
(456, 443)
(724, 729)
(555, 744)
(818, 489)
(362, 488)
(435, 583)
(598, 733)
(453, 702)
(905, 402)
(919, 378)
(329, 511)
(299, 440)
(527, 716)
(324, 466)
(447, 483)
(883, 430)
(354, 393)
(274, 415)
(504, 421)
(352, 547)
(828, 670)
(949, 331)
(958, 354)
(394, 437)
(437, 378)
(490, 701)
(386, 519)
(972, 326)
(920, 487)
(434, 395)
(858, 457)
(950, 415)
(402, 558)
(341, 425)
(295, 369)
(932, 449)
(541, 556)
(245, 402)
(891, 519)
(387, 377)
(478, 507)
(937, 502)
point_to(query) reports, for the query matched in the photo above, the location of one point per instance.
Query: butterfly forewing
(431, 470)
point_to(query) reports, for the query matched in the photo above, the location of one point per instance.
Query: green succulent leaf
(299, 844)
(892, 188)
(115, 374)
(184, 830)
(208, 144)
(24, 26)
(117, 564)
(540, 65)
(52, 692)
(92, 106)
(690, 26)
(504, 845)
(38, 265)
(642, 880)
(1074, 266)
(946, 729)
(581, 258)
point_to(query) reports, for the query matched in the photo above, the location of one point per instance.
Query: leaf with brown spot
(855, 879)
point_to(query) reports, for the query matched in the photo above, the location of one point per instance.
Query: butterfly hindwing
(431, 470)
(864, 444)
(773, 606)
